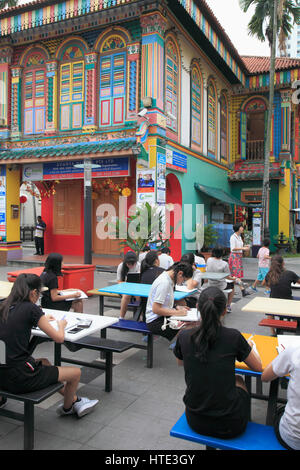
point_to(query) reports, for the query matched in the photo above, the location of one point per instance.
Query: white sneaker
(84, 406)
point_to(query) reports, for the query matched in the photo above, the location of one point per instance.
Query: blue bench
(256, 437)
(137, 327)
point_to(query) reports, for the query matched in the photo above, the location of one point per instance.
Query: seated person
(150, 270)
(130, 264)
(143, 253)
(215, 264)
(287, 418)
(199, 259)
(52, 297)
(217, 402)
(194, 282)
(160, 303)
(165, 258)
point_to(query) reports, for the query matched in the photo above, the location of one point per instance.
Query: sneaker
(61, 412)
(267, 292)
(253, 288)
(228, 309)
(245, 292)
(172, 346)
(84, 406)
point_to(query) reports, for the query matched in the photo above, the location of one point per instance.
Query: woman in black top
(280, 280)
(150, 268)
(22, 373)
(217, 402)
(52, 298)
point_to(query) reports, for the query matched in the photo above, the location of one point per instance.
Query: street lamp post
(87, 166)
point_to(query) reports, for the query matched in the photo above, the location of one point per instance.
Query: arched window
(224, 127)
(34, 93)
(196, 106)
(211, 120)
(71, 100)
(172, 85)
(112, 86)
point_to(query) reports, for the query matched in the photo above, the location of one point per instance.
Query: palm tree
(271, 19)
(9, 3)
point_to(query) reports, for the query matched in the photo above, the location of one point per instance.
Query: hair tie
(211, 298)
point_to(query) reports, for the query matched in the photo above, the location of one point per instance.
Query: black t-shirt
(49, 279)
(211, 389)
(149, 276)
(16, 331)
(283, 290)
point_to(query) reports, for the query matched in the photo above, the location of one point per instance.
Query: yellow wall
(284, 205)
(12, 198)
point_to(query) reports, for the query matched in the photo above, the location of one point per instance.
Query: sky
(235, 22)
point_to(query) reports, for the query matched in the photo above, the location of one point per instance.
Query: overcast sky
(235, 22)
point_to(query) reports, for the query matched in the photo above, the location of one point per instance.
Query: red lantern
(23, 199)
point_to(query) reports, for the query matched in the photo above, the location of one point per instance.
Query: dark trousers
(298, 244)
(39, 245)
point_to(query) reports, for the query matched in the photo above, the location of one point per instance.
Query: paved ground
(144, 404)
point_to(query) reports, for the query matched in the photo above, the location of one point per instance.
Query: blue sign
(66, 170)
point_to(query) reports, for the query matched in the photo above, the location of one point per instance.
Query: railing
(255, 150)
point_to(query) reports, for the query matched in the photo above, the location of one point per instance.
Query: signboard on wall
(161, 178)
(176, 160)
(145, 186)
(3, 203)
(109, 167)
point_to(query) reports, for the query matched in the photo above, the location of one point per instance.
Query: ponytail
(149, 260)
(211, 304)
(20, 292)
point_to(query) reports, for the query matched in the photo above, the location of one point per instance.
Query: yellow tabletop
(273, 306)
(266, 347)
(5, 288)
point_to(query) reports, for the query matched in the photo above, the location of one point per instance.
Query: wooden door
(105, 245)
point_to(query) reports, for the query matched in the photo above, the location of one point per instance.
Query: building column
(16, 90)
(5, 83)
(90, 106)
(51, 116)
(285, 151)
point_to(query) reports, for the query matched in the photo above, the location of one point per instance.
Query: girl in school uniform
(235, 260)
(217, 402)
(160, 304)
(130, 264)
(22, 373)
(52, 297)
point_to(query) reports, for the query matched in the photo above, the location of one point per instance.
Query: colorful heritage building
(75, 75)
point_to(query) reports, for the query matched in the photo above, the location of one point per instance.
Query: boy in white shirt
(165, 260)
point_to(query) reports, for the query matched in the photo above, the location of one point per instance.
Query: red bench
(279, 325)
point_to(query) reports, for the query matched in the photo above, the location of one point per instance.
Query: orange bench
(279, 325)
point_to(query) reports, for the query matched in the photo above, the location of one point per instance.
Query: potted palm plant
(210, 236)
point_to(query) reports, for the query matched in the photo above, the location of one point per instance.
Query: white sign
(33, 172)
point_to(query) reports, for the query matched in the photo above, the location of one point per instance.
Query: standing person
(165, 258)
(22, 373)
(297, 234)
(217, 401)
(215, 264)
(235, 261)
(52, 298)
(39, 236)
(264, 257)
(287, 418)
(160, 304)
(130, 264)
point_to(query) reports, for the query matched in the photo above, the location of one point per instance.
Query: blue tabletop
(138, 290)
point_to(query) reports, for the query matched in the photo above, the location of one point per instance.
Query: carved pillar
(90, 107)
(285, 124)
(5, 84)
(52, 87)
(16, 84)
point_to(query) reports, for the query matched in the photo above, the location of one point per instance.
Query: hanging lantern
(126, 192)
(23, 199)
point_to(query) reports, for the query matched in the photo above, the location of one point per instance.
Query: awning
(219, 194)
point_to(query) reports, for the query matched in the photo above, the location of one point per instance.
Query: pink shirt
(263, 263)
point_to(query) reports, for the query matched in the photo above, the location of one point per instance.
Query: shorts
(262, 272)
(28, 377)
(155, 328)
(222, 427)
